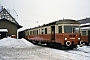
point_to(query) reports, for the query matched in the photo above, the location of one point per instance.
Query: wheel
(48, 44)
(34, 42)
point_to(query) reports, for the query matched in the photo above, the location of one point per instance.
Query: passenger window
(30, 32)
(60, 29)
(83, 32)
(37, 32)
(42, 31)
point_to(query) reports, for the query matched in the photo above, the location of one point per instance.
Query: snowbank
(15, 43)
(39, 53)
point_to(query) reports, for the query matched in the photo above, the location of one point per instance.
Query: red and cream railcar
(63, 33)
(85, 35)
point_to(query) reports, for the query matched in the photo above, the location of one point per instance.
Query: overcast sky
(45, 11)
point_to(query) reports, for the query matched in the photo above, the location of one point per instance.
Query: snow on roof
(86, 28)
(85, 24)
(3, 30)
(13, 13)
(15, 43)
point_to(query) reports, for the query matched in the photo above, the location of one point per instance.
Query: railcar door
(89, 36)
(52, 32)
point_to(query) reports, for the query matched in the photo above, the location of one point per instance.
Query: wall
(12, 28)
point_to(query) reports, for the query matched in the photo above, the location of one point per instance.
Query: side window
(37, 32)
(83, 32)
(60, 29)
(30, 32)
(27, 32)
(45, 30)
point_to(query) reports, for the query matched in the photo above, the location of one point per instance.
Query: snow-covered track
(79, 51)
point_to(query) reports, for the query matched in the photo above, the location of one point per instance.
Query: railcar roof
(51, 23)
(67, 21)
(64, 21)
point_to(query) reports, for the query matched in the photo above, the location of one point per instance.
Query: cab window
(60, 29)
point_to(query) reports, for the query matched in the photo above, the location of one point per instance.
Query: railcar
(85, 35)
(60, 34)
(21, 34)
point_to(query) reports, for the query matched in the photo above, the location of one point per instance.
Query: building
(21, 34)
(85, 23)
(7, 22)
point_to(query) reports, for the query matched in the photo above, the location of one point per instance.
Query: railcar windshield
(71, 29)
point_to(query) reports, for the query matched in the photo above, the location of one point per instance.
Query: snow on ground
(24, 50)
(82, 52)
(15, 43)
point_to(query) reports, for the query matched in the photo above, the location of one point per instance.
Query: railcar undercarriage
(54, 45)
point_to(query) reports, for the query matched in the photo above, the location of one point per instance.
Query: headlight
(78, 38)
(68, 43)
(65, 38)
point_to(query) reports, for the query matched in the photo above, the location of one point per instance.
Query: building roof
(86, 20)
(4, 12)
(85, 24)
(3, 30)
(9, 15)
(85, 28)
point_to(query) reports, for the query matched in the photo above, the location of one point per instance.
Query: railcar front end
(68, 34)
